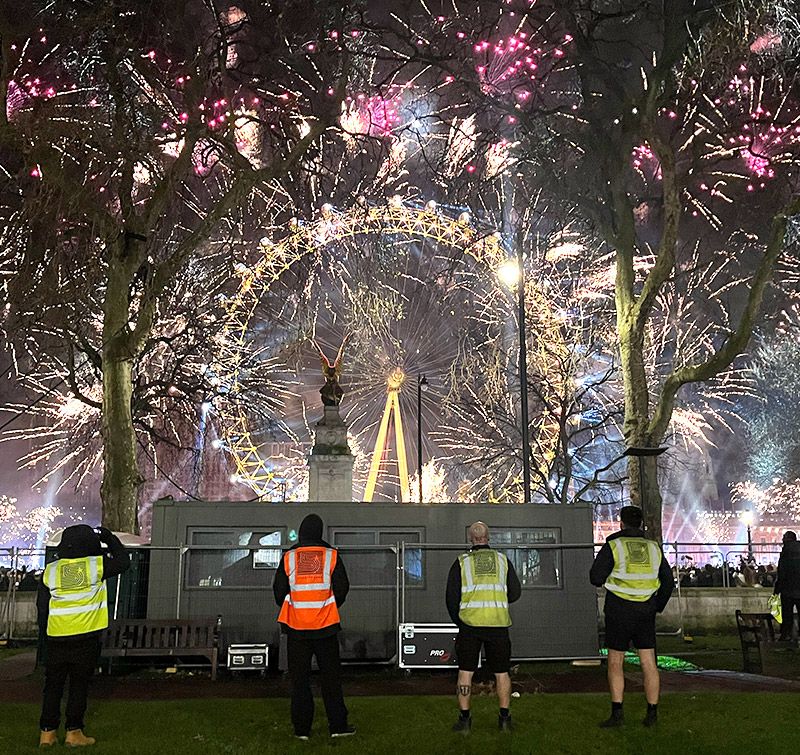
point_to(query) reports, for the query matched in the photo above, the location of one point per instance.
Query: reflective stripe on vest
(310, 603)
(635, 573)
(484, 595)
(78, 596)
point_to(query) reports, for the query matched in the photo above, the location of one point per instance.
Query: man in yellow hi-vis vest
(73, 612)
(480, 586)
(638, 584)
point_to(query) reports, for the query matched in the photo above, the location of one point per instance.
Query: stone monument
(330, 464)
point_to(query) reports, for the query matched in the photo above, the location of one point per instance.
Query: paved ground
(22, 683)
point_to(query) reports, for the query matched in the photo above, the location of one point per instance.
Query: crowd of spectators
(24, 579)
(746, 572)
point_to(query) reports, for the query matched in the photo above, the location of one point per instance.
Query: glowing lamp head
(508, 273)
(396, 379)
(747, 518)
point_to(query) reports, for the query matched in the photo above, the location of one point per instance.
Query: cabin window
(535, 567)
(376, 566)
(233, 557)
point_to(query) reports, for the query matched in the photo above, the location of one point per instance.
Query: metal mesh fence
(391, 583)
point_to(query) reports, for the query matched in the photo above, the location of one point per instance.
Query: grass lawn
(7, 652)
(689, 723)
(723, 651)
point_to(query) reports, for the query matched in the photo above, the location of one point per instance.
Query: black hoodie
(788, 582)
(80, 541)
(604, 564)
(310, 534)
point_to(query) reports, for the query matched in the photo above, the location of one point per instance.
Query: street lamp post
(512, 273)
(523, 375)
(747, 518)
(422, 385)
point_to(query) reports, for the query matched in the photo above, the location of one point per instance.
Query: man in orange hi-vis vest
(310, 585)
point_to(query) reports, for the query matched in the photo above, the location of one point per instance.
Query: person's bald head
(479, 533)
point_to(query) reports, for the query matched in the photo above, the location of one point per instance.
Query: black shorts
(498, 651)
(630, 627)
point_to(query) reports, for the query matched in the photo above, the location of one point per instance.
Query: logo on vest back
(485, 564)
(309, 564)
(74, 576)
(637, 552)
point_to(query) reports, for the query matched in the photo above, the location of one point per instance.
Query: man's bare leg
(464, 689)
(464, 693)
(652, 682)
(616, 675)
(503, 682)
(616, 686)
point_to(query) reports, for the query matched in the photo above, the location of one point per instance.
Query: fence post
(680, 599)
(402, 571)
(116, 596)
(726, 582)
(5, 616)
(182, 549)
(12, 619)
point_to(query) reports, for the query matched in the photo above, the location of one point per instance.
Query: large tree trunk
(644, 493)
(647, 493)
(121, 478)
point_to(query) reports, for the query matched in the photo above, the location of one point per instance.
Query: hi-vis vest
(78, 597)
(484, 597)
(310, 603)
(635, 573)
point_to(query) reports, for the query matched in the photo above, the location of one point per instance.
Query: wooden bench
(128, 638)
(756, 631)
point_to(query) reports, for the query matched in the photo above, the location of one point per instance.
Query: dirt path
(26, 686)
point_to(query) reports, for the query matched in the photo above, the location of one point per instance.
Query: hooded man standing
(73, 612)
(310, 585)
(787, 584)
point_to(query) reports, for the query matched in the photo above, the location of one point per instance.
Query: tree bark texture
(121, 479)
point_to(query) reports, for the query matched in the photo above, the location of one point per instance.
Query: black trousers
(300, 652)
(788, 604)
(73, 658)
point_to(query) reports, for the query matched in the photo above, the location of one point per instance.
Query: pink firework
(766, 42)
(645, 162)
(376, 115)
(515, 64)
(16, 98)
(757, 164)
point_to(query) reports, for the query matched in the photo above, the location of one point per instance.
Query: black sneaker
(651, 719)
(348, 731)
(504, 723)
(614, 720)
(463, 725)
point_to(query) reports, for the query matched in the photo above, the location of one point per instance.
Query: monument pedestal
(330, 465)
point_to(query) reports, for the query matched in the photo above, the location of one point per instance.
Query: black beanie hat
(311, 529)
(79, 541)
(631, 516)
